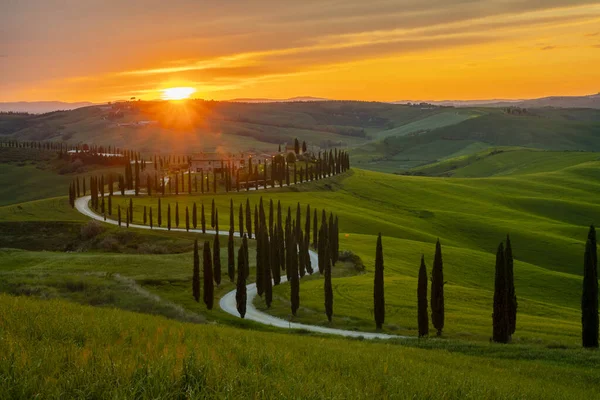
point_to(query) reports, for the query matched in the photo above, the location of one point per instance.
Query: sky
(384, 50)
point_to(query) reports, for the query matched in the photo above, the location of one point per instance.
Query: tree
(378, 295)
(131, 210)
(510, 281)
(423, 318)
(194, 215)
(177, 214)
(266, 258)
(169, 216)
(144, 216)
(150, 216)
(212, 214)
(240, 293)
(296, 146)
(159, 217)
(328, 288)
(246, 256)
(208, 277)
(196, 273)
(187, 219)
(589, 298)
(231, 219)
(501, 325)
(260, 264)
(217, 259)
(241, 220)
(315, 229)
(294, 281)
(274, 257)
(231, 257)
(119, 213)
(248, 219)
(290, 159)
(303, 147)
(437, 290)
(203, 219)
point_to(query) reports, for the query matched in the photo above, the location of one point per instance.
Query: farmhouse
(216, 162)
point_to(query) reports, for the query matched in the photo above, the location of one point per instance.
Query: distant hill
(591, 101)
(41, 107)
(290, 100)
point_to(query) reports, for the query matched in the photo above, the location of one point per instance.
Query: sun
(177, 93)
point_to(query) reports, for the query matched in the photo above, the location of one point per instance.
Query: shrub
(91, 230)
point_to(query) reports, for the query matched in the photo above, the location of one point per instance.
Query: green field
(60, 350)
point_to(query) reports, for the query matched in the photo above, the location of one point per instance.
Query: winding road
(228, 302)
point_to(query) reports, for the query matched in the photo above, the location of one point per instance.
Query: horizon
(381, 51)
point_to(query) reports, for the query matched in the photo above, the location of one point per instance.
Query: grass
(470, 216)
(55, 349)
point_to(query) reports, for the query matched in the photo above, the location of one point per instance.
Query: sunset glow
(177, 93)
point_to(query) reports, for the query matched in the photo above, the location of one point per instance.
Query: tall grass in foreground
(54, 349)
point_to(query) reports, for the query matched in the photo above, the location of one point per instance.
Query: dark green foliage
(230, 257)
(246, 257)
(298, 219)
(378, 290)
(241, 220)
(423, 318)
(196, 273)
(151, 221)
(437, 290)
(169, 216)
(119, 212)
(231, 218)
(328, 289)
(589, 298)
(271, 217)
(256, 221)
(316, 230)
(321, 249)
(274, 256)
(248, 219)
(294, 280)
(194, 216)
(130, 210)
(240, 294)
(110, 205)
(260, 264)
(266, 258)
(217, 252)
(501, 324)
(212, 214)
(203, 219)
(308, 263)
(177, 214)
(510, 281)
(208, 277)
(159, 217)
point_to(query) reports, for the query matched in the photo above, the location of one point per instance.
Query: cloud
(548, 48)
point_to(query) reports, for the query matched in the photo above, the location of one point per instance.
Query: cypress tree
(298, 219)
(208, 277)
(246, 256)
(217, 259)
(159, 216)
(110, 205)
(501, 324)
(103, 211)
(260, 267)
(130, 210)
(119, 212)
(271, 217)
(267, 266)
(187, 219)
(316, 230)
(274, 258)
(231, 257)
(294, 281)
(309, 267)
(240, 294)
(328, 289)
(212, 214)
(378, 291)
(194, 215)
(151, 222)
(196, 273)
(331, 238)
(248, 219)
(241, 220)
(423, 318)
(307, 222)
(256, 221)
(169, 216)
(144, 218)
(510, 281)
(437, 290)
(203, 219)
(177, 214)
(589, 297)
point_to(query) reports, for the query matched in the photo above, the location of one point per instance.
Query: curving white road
(228, 302)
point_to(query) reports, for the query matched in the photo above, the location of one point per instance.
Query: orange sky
(387, 50)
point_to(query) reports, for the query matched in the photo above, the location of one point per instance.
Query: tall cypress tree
(423, 318)
(177, 214)
(241, 220)
(131, 210)
(267, 266)
(271, 217)
(437, 290)
(308, 264)
(510, 281)
(187, 219)
(248, 219)
(246, 256)
(169, 216)
(501, 324)
(208, 277)
(119, 213)
(256, 221)
(203, 219)
(194, 215)
(240, 293)
(159, 216)
(212, 214)
(217, 259)
(589, 297)
(298, 219)
(231, 218)
(151, 222)
(316, 230)
(196, 273)
(259, 264)
(275, 263)
(294, 281)
(378, 293)
(230, 257)
(328, 288)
